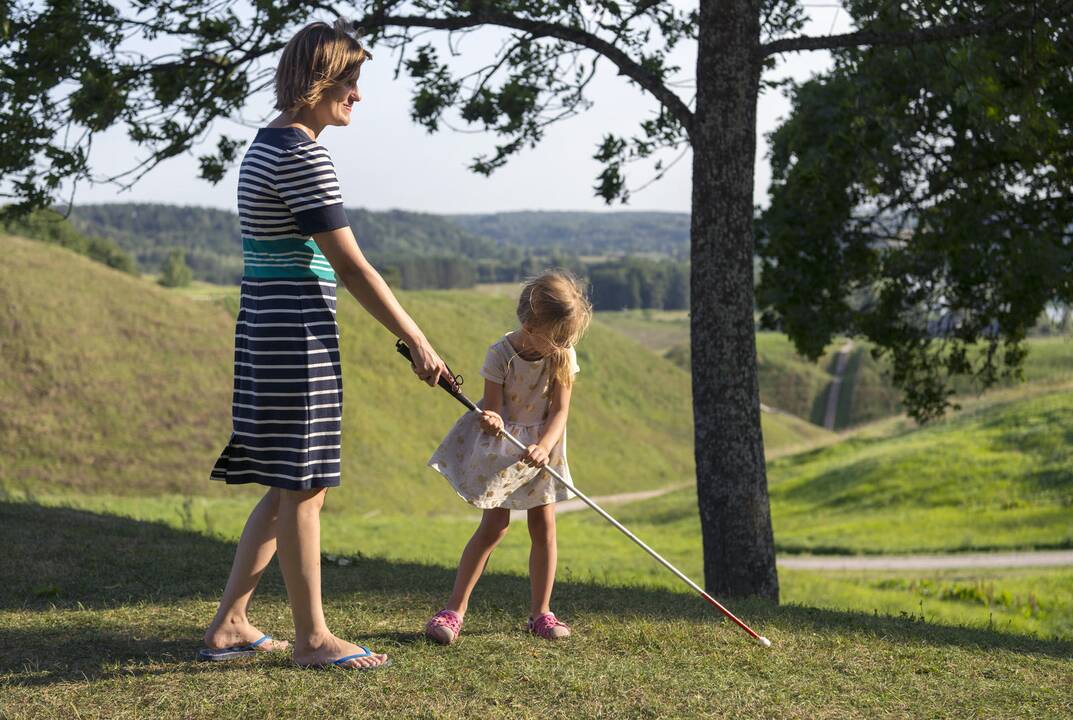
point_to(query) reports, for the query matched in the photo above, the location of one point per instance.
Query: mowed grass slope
(788, 381)
(108, 629)
(867, 393)
(999, 477)
(113, 384)
(108, 381)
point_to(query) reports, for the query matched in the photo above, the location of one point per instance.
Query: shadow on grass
(73, 559)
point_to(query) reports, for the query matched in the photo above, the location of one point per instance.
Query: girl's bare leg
(493, 528)
(231, 626)
(299, 559)
(542, 558)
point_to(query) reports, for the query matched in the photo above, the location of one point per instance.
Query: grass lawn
(1031, 601)
(1035, 602)
(107, 629)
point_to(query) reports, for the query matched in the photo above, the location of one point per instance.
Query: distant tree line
(663, 234)
(412, 250)
(209, 238)
(419, 272)
(640, 283)
(501, 247)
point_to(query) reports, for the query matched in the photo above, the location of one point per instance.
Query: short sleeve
(494, 368)
(306, 182)
(574, 367)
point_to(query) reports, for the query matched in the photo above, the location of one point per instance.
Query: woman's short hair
(317, 57)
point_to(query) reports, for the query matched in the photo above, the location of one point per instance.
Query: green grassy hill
(657, 330)
(785, 434)
(109, 381)
(867, 393)
(114, 384)
(996, 477)
(787, 381)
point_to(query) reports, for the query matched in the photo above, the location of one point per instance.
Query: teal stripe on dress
(285, 258)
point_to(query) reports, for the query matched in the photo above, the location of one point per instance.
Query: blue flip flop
(366, 652)
(232, 653)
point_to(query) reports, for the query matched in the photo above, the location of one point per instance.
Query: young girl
(528, 374)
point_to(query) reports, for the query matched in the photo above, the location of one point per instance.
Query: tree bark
(739, 553)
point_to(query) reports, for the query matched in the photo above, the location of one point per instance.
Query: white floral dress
(486, 470)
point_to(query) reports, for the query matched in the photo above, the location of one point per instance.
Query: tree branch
(538, 28)
(1009, 20)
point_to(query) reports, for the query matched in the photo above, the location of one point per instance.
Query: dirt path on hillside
(603, 501)
(835, 388)
(948, 561)
(944, 561)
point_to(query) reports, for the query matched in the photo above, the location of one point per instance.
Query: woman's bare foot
(326, 650)
(235, 631)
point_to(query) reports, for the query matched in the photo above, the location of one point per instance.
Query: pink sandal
(549, 627)
(444, 627)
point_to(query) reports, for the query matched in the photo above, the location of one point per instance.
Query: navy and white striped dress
(288, 393)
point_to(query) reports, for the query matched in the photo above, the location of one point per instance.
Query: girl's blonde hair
(554, 307)
(317, 57)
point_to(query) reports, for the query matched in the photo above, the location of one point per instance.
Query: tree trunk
(739, 553)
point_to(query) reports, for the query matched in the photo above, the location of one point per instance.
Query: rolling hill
(113, 384)
(994, 477)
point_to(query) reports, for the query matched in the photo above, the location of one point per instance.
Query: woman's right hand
(427, 365)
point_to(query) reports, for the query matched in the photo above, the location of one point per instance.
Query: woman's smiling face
(336, 105)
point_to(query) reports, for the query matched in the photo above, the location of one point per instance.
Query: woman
(287, 403)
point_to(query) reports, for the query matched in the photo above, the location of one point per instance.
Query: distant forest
(632, 259)
(661, 234)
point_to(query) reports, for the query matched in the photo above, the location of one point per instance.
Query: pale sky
(384, 160)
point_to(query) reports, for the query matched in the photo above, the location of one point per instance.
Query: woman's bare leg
(298, 546)
(231, 626)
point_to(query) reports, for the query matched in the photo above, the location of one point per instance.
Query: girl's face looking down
(536, 341)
